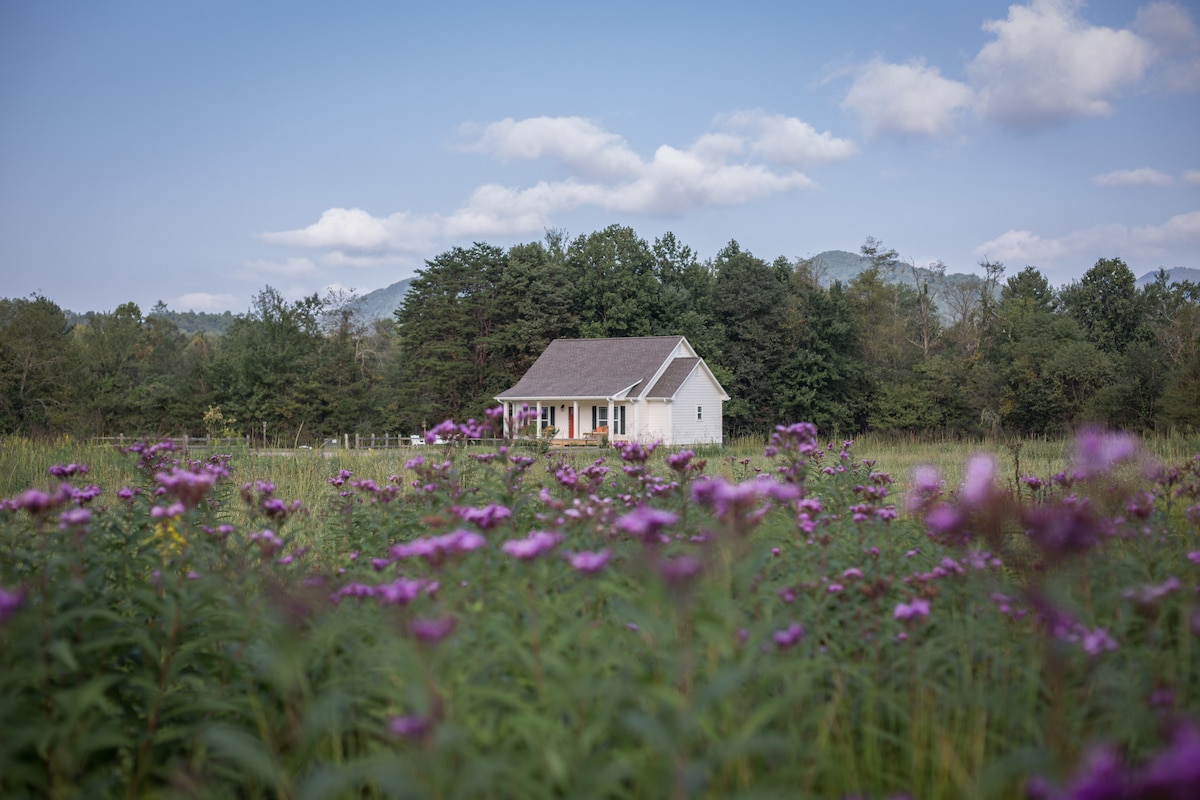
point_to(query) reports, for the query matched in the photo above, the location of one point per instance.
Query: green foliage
(158, 653)
(897, 348)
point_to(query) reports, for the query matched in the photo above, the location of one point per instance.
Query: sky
(196, 152)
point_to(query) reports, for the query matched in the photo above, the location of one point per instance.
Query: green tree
(37, 367)
(1107, 305)
(823, 378)
(448, 326)
(264, 372)
(616, 288)
(535, 303)
(750, 305)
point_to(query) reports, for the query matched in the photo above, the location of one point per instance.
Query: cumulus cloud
(1147, 241)
(755, 155)
(1043, 64)
(1047, 64)
(575, 141)
(1192, 177)
(1171, 32)
(1145, 176)
(356, 231)
(786, 140)
(910, 98)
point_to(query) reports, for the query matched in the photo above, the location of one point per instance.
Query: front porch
(567, 422)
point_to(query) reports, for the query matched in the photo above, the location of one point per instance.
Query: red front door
(571, 422)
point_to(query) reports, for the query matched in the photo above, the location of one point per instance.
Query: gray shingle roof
(674, 376)
(594, 367)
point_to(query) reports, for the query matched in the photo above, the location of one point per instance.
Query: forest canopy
(998, 352)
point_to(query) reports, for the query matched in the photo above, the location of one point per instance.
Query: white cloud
(1044, 64)
(1047, 64)
(1070, 250)
(910, 98)
(576, 142)
(353, 230)
(1170, 30)
(1192, 177)
(714, 171)
(206, 301)
(1145, 176)
(1181, 229)
(787, 140)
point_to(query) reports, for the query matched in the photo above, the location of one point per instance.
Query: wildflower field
(628, 622)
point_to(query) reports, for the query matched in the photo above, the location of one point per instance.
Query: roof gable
(673, 377)
(595, 367)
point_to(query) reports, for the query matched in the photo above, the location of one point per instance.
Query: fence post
(346, 441)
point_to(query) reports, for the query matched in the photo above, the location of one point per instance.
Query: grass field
(465, 622)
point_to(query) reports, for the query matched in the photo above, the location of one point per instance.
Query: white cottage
(645, 389)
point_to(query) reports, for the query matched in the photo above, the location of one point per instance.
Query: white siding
(656, 422)
(697, 391)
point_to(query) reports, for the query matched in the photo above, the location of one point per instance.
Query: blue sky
(194, 152)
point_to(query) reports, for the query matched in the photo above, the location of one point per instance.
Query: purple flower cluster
(588, 562)
(10, 601)
(486, 518)
(645, 523)
(530, 547)
(436, 548)
(189, 488)
(399, 592)
(1172, 774)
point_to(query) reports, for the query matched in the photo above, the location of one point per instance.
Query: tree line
(993, 353)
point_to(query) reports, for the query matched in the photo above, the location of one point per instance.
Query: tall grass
(763, 626)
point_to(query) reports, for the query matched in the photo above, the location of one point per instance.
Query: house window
(599, 417)
(547, 416)
(699, 413)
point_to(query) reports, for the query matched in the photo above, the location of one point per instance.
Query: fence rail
(347, 441)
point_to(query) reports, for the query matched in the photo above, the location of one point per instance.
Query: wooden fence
(347, 441)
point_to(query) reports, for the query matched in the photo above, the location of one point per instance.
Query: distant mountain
(1174, 275)
(839, 265)
(382, 303)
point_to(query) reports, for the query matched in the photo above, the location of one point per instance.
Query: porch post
(506, 428)
(578, 421)
(612, 422)
(538, 419)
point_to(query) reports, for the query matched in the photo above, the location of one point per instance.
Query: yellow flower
(169, 537)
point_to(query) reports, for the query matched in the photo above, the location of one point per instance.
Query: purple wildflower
(10, 601)
(645, 522)
(487, 517)
(532, 546)
(432, 630)
(400, 592)
(412, 726)
(67, 470)
(680, 569)
(789, 636)
(1097, 641)
(978, 483)
(916, 609)
(188, 487)
(1097, 452)
(74, 518)
(588, 562)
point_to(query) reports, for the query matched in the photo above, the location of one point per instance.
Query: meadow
(788, 618)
